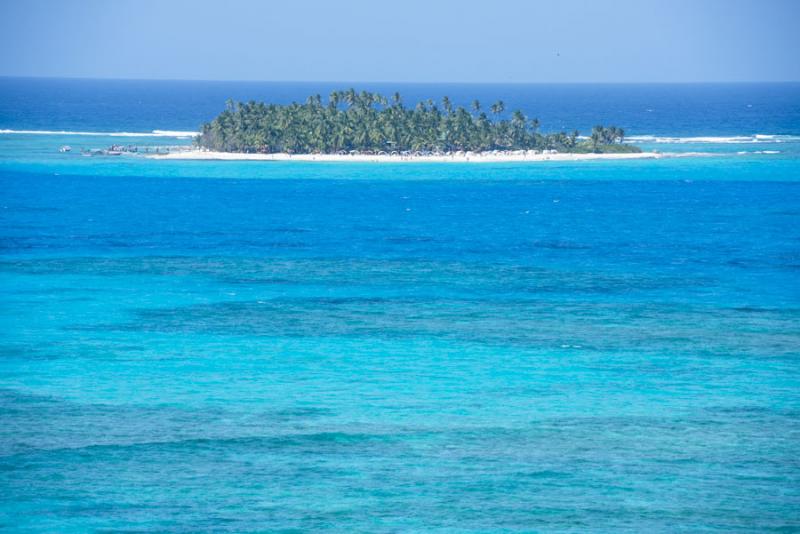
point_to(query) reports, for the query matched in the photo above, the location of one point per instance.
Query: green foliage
(368, 122)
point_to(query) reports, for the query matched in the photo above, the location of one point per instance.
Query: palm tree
(498, 108)
(333, 99)
(447, 105)
(369, 123)
(597, 137)
(518, 122)
(573, 138)
(350, 97)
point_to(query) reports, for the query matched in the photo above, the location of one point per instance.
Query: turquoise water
(243, 346)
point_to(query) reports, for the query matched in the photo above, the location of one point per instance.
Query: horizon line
(123, 79)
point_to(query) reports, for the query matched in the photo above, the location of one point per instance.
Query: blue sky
(404, 41)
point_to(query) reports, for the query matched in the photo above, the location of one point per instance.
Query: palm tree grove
(370, 123)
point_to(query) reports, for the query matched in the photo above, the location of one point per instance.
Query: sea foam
(735, 139)
(154, 133)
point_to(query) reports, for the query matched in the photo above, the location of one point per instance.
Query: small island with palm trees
(366, 126)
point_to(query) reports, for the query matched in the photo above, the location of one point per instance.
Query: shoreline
(462, 157)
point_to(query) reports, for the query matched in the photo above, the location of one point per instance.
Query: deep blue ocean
(602, 346)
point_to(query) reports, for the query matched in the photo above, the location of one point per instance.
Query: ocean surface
(594, 346)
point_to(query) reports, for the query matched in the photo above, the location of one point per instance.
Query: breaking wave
(736, 139)
(154, 133)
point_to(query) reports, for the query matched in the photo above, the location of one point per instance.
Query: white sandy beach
(459, 157)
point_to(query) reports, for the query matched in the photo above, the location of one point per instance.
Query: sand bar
(459, 157)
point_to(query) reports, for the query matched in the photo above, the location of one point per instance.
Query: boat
(65, 148)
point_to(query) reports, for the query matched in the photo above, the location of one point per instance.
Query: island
(365, 126)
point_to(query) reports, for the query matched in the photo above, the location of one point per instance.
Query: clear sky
(405, 40)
